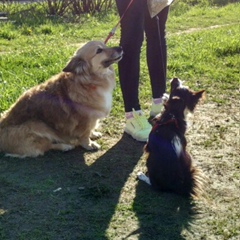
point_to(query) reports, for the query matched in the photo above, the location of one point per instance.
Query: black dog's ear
(195, 98)
(76, 65)
(175, 82)
(199, 95)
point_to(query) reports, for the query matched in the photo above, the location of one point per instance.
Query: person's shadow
(74, 195)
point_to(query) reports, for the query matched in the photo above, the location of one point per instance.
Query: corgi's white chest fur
(107, 93)
(107, 99)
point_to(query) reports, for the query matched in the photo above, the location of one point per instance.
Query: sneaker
(138, 127)
(157, 108)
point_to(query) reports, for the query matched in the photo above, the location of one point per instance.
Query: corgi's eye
(99, 50)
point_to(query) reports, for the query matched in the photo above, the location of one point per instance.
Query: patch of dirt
(191, 30)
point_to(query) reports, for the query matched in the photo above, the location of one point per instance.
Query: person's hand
(156, 6)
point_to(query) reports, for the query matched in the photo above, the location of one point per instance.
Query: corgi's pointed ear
(175, 82)
(76, 65)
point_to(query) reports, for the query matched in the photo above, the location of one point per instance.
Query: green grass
(100, 197)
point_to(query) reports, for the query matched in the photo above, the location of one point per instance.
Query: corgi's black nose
(119, 49)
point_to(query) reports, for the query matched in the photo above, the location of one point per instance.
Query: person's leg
(131, 42)
(132, 33)
(157, 56)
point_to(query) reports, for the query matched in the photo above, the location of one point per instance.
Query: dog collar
(92, 87)
(168, 121)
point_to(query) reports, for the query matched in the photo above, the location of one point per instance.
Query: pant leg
(131, 42)
(156, 51)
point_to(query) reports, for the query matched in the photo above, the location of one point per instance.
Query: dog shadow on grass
(161, 215)
(72, 196)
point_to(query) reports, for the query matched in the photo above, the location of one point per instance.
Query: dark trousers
(136, 21)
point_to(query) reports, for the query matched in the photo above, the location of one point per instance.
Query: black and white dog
(169, 165)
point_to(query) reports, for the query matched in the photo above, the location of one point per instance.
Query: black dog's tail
(193, 183)
(198, 182)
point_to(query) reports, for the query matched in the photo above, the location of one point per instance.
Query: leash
(160, 44)
(112, 32)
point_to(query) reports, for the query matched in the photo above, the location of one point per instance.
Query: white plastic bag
(156, 6)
